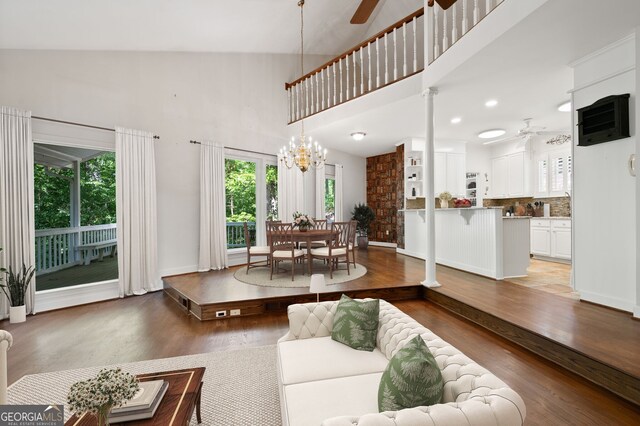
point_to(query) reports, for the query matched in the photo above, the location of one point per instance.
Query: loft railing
(235, 234)
(446, 27)
(393, 54)
(56, 247)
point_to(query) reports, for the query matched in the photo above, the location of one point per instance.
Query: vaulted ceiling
(263, 26)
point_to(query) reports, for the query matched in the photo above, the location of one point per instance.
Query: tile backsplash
(559, 206)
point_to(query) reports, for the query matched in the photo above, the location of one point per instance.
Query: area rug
(240, 387)
(260, 276)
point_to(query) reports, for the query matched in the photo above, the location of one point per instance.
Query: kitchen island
(478, 240)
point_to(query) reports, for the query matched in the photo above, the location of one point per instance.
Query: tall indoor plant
(15, 288)
(364, 215)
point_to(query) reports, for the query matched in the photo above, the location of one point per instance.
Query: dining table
(308, 237)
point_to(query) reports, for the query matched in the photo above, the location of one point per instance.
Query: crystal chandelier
(301, 153)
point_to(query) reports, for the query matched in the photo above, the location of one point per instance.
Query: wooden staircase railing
(395, 53)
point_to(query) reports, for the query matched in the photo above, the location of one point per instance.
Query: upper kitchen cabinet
(511, 176)
(449, 173)
(553, 170)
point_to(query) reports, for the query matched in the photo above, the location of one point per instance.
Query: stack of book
(143, 405)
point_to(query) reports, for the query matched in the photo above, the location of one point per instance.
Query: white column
(428, 173)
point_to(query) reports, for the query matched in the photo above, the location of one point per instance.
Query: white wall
(235, 99)
(479, 160)
(605, 219)
(636, 310)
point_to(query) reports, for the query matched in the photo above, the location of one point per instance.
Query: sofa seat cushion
(321, 358)
(313, 402)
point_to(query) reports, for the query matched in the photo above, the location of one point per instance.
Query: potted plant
(364, 215)
(302, 221)
(445, 197)
(15, 288)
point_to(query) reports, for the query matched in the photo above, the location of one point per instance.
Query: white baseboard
(65, 297)
(636, 311)
(612, 302)
(410, 253)
(178, 271)
(382, 244)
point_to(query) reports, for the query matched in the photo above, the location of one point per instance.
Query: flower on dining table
(302, 220)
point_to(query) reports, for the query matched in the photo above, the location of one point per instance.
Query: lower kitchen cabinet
(551, 238)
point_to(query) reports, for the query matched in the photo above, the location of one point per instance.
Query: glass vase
(103, 415)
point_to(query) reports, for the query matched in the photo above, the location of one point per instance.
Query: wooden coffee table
(176, 409)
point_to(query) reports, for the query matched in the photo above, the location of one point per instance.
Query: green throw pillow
(355, 323)
(412, 379)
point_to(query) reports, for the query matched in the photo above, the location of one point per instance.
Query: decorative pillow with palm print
(355, 323)
(412, 379)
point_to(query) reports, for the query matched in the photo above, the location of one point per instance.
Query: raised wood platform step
(594, 342)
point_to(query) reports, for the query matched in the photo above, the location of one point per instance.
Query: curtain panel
(213, 221)
(17, 223)
(339, 207)
(290, 192)
(136, 212)
(320, 194)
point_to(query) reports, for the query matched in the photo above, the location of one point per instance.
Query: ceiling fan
(366, 8)
(524, 134)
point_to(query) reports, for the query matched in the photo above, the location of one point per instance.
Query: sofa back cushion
(411, 379)
(355, 323)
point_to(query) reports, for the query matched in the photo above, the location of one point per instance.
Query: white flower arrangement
(445, 196)
(110, 388)
(302, 220)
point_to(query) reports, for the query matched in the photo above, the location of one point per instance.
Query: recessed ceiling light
(456, 120)
(358, 136)
(491, 103)
(493, 133)
(565, 107)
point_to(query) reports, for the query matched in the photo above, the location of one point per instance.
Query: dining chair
(317, 224)
(353, 226)
(282, 248)
(338, 248)
(267, 228)
(255, 251)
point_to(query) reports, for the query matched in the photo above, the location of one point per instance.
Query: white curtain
(136, 212)
(17, 225)
(290, 192)
(213, 222)
(320, 178)
(338, 193)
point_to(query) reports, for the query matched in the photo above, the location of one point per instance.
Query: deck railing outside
(393, 54)
(446, 27)
(56, 248)
(235, 234)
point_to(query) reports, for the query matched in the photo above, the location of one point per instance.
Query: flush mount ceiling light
(565, 107)
(491, 103)
(456, 120)
(492, 133)
(358, 136)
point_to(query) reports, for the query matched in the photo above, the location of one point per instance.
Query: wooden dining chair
(337, 249)
(283, 248)
(255, 251)
(353, 226)
(317, 224)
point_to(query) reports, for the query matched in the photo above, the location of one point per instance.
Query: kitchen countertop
(537, 217)
(517, 217)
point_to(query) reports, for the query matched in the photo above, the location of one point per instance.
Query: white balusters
(346, 60)
(289, 104)
(335, 98)
(386, 61)
(355, 74)
(362, 70)
(311, 93)
(369, 55)
(306, 96)
(445, 36)
(340, 80)
(436, 35)
(404, 47)
(323, 73)
(489, 6)
(476, 12)
(317, 93)
(465, 20)
(415, 45)
(377, 62)
(454, 24)
(395, 54)
(297, 95)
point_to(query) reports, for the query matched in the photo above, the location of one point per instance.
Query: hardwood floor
(152, 326)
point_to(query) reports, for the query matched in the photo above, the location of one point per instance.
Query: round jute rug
(260, 276)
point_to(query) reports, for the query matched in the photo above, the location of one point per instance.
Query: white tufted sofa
(323, 382)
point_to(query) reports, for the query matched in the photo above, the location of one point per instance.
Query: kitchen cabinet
(449, 173)
(510, 176)
(516, 174)
(551, 238)
(499, 177)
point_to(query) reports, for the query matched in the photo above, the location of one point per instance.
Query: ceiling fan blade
(444, 4)
(364, 11)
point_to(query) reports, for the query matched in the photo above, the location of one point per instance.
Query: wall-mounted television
(605, 120)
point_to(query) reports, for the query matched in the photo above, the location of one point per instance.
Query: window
(557, 174)
(251, 196)
(553, 174)
(329, 198)
(542, 175)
